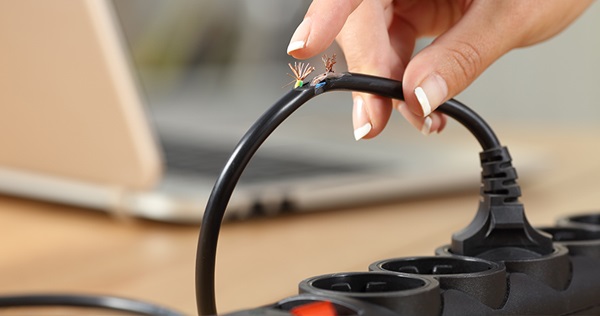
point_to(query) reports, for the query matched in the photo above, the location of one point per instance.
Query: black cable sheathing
(498, 176)
(223, 189)
(393, 89)
(258, 133)
(88, 301)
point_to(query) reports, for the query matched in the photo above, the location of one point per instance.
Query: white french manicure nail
(423, 101)
(300, 36)
(295, 46)
(360, 118)
(362, 131)
(431, 93)
(426, 128)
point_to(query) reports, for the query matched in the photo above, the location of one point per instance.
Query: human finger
(488, 30)
(365, 40)
(433, 123)
(322, 23)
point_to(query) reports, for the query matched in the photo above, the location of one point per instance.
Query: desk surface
(53, 248)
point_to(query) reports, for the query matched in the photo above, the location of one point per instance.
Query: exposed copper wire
(301, 71)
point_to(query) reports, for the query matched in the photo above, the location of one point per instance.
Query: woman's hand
(378, 38)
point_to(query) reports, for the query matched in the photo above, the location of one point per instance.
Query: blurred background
(211, 51)
(227, 55)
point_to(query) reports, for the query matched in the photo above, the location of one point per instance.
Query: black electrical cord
(89, 301)
(258, 133)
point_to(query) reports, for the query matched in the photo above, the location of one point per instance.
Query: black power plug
(500, 230)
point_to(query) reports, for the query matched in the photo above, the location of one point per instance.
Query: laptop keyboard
(208, 162)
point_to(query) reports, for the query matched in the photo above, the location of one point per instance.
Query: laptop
(78, 128)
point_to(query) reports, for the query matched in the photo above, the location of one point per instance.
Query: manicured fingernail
(426, 128)
(431, 93)
(360, 118)
(362, 131)
(300, 36)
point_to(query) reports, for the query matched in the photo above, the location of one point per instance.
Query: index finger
(322, 23)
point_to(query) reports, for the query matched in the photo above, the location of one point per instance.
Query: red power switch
(314, 309)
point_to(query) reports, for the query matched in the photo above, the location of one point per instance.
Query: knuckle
(468, 58)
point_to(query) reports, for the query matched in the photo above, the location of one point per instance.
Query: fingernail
(431, 93)
(426, 128)
(300, 36)
(362, 131)
(360, 118)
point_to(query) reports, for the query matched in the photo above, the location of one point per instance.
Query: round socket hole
(570, 234)
(591, 219)
(367, 283)
(483, 280)
(435, 265)
(402, 294)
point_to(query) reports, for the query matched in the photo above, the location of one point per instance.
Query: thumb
(455, 59)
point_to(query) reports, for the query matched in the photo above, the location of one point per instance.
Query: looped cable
(258, 133)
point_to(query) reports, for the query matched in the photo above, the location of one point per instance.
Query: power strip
(564, 282)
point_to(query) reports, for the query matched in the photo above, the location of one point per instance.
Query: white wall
(558, 80)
